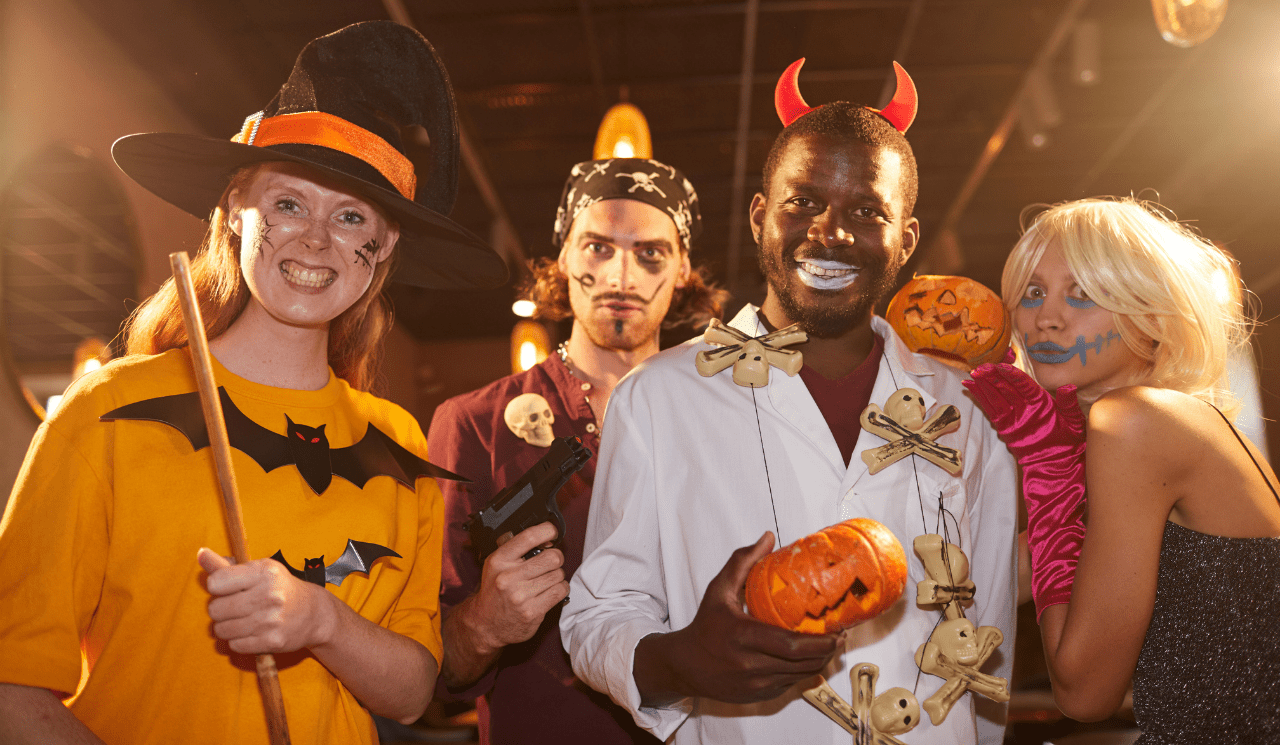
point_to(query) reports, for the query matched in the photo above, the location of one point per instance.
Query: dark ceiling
(1198, 128)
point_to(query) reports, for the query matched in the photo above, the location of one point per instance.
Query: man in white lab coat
(698, 476)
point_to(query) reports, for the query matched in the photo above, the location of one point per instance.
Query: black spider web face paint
(366, 252)
(266, 235)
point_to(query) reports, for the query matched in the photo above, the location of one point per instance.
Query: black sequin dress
(1209, 671)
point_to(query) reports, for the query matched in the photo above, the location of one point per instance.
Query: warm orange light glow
(1186, 23)
(624, 133)
(530, 344)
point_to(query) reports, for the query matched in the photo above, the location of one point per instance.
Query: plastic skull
(895, 711)
(529, 417)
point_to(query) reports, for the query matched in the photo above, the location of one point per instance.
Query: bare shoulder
(1149, 421)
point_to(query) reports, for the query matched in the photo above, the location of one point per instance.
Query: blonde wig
(355, 336)
(1175, 298)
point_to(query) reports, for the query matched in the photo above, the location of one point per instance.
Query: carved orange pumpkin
(953, 319)
(831, 580)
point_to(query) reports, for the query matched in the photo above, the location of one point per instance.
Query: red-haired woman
(106, 604)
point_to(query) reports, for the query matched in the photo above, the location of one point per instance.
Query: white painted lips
(821, 274)
(300, 275)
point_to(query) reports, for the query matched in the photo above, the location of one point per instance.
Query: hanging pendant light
(623, 133)
(530, 344)
(1186, 23)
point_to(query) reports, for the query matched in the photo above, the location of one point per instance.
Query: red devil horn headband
(900, 112)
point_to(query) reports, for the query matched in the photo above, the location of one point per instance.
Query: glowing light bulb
(623, 148)
(528, 355)
(524, 308)
(1186, 23)
(530, 344)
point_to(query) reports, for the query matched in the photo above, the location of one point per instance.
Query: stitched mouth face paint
(1051, 354)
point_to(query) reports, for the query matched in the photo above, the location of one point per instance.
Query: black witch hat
(341, 112)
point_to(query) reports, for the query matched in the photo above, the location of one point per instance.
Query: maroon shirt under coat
(531, 695)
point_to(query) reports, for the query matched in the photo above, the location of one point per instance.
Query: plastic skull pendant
(895, 712)
(529, 417)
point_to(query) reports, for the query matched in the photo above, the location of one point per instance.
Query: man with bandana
(624, 230)
(700, 477)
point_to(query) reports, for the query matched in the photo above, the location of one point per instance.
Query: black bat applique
(376, 454)
(358, 557)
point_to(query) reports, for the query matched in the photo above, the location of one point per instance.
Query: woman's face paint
(1069, 338)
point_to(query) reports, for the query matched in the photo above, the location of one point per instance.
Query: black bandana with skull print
(641, 179)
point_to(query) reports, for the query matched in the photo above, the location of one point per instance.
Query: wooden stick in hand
(268, 680)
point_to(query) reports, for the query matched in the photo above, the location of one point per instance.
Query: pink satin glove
(1046, 434)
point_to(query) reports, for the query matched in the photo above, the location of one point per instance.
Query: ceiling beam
(734, 249)
(509, 95)
(944, 238)
(86, 283)
(77, 223)
(1139, 120)
(675, 10)
(593, 51)
(900, 54)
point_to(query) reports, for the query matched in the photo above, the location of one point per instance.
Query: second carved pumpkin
(952, 319)
(836, 578)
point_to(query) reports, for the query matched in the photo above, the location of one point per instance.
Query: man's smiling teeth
(826, 275)
(300, 275)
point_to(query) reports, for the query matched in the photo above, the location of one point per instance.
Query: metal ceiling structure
(1198, 128)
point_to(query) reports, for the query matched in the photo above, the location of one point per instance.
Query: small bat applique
(307, 448)
(358, 557)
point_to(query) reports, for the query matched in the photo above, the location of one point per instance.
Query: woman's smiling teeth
(826, 275)
(300, 275)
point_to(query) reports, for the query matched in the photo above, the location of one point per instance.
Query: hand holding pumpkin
(826, 582)
(725, 654)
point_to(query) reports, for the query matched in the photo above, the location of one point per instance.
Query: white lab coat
(681, 484)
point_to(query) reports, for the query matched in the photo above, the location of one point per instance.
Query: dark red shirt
(531, 695)
(841, 401)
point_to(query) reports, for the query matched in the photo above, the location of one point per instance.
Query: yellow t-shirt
(101, 597)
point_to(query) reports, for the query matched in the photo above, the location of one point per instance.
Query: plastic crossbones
(750, 356)
(902, 423)
(948, 584)
(872, 719)
(955, 651)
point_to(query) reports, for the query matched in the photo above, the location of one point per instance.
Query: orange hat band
(335, 133)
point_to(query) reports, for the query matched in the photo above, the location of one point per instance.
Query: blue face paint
(1048, 353)
(1031, 302)
(1083, 303)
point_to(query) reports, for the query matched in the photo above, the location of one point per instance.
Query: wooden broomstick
(268, 680)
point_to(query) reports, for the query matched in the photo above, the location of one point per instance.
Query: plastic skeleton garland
(948, 584)
(902, 423)
(956, 649)
(872, 720)
(750, 356)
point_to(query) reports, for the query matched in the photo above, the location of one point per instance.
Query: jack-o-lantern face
(953, 319)
(831, 580)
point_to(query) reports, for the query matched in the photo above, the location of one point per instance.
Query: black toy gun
(529, 501)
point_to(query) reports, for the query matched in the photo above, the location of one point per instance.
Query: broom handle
(202, 362)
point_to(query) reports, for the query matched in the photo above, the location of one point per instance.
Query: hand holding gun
(529, 501)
